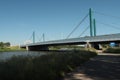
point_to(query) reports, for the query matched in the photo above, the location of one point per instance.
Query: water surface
(8, 55)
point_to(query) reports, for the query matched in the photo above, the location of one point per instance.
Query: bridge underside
(46, 47)
(38, 48)
(95, 45)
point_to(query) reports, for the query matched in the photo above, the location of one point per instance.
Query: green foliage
(112, 50)
(52, 66)
(1, 45)
(7, 44)
(4, 45)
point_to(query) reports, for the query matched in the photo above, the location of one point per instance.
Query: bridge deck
(101, 38)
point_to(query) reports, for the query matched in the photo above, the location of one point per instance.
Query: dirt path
(103, 67)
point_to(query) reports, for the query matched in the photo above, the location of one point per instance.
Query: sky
(55, 18)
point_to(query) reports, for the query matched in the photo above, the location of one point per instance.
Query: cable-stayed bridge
(92, 40)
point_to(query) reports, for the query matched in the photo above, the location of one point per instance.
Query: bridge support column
(38, 48)
(27, 48)
(88, 45)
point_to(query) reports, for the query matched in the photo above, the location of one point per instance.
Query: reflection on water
(8, 55)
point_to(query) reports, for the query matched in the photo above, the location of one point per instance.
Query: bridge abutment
(88, 45)
(38, 48)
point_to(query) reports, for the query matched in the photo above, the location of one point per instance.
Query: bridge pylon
(90, 18)
(92, 24)
(33, 36)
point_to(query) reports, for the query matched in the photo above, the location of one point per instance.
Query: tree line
(4, 45)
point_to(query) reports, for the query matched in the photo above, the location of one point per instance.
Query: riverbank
(52, 66)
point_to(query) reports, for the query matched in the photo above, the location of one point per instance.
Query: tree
(4, 45)
(7, 44)
(1, 44)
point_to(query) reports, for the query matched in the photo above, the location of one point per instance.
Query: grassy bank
(52, 66)
(13, 48)
(112, 50)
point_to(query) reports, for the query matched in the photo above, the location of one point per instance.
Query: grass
(13, 48)
(112, 50)
(52, 66)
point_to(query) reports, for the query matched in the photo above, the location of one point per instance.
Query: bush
(52, 66)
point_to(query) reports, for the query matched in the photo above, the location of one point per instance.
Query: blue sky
(55, 18)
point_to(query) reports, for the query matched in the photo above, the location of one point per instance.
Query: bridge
(89, 41)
